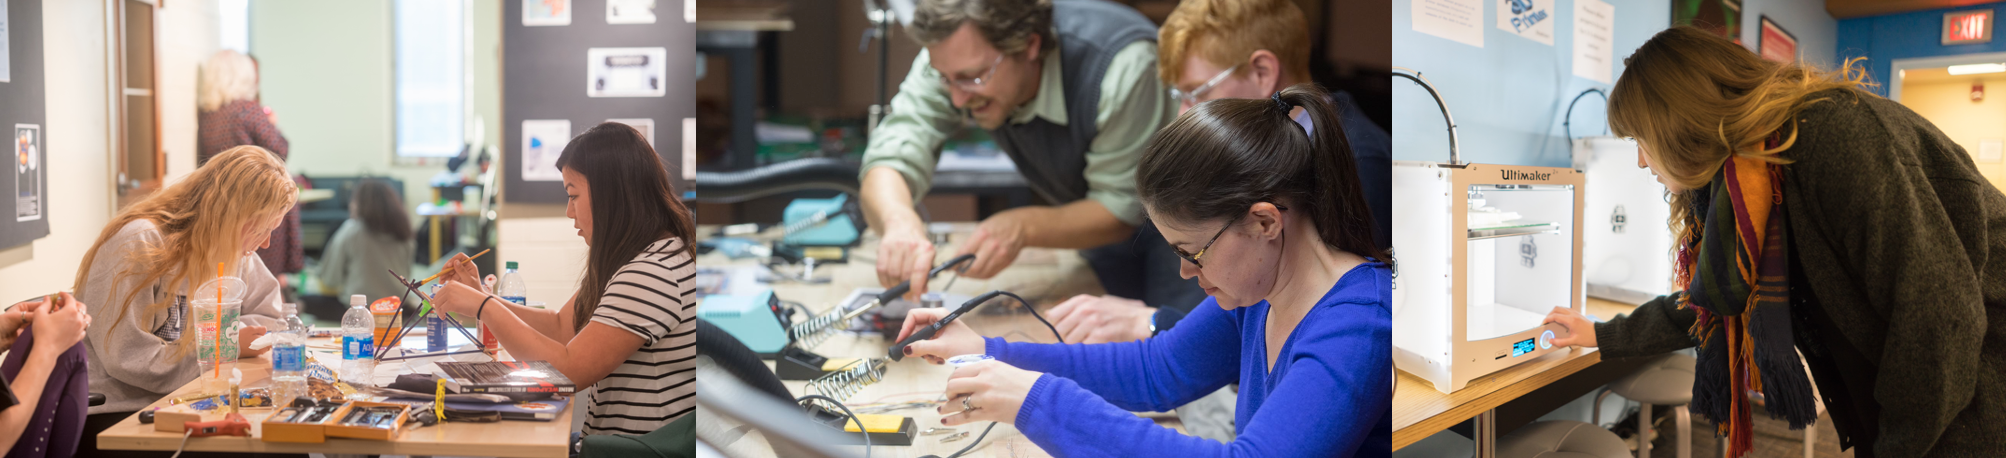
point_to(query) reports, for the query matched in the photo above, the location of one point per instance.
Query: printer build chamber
(1484, 253)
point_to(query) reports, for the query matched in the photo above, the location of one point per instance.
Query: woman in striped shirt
(629, 331)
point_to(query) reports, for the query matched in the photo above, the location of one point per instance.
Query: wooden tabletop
(746, 16)
(526, 439)
(1044, 276)
(1419, 410)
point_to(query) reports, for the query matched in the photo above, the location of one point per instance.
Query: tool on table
(232, 424)
(795, 362)
(843, 383)
(897, 351)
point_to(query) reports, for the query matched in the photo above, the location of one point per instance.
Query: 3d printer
(1485, 252)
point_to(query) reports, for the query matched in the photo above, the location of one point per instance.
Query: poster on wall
(542, 141)
(1776, 44)
(1989, 150)
(6, 68)
(646, 126)
(689, 148)
(1594, 29)
(1461, 21)
(27, 172)
(626, 72)
(630, 11)
(1722, 17)
(690, 13)
(1532, 19)
(546, 12)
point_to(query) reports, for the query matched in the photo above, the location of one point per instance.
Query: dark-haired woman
(1874, 241)
(630, 329)
(377, 236)
(1298, 313)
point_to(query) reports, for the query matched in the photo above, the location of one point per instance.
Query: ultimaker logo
(1519, 175)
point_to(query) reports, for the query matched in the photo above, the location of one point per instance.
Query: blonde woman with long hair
(137, 276)
(232, 115)
(1814, 217)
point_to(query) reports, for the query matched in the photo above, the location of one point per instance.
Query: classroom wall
(1948, 105)
(189, 33)
(1509, 96)
(1883, 39)
(327, 74)
(77, 136)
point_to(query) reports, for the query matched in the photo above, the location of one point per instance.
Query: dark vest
(1052, 157)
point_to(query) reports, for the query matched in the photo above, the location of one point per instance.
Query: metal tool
(845, 383)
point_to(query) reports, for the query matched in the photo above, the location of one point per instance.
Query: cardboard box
(337, 429)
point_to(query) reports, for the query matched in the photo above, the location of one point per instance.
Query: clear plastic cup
(216, 326)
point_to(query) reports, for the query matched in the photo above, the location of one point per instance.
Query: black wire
(1034, 313)
(978, 441)
(1567, 121)
(846, 412)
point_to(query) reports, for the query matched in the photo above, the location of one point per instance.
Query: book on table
(519, 380)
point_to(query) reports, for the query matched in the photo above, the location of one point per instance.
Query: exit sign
(1966, 27)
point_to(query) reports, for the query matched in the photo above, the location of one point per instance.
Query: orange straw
(219, 321)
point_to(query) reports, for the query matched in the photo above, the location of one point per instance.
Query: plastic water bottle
(358, 349)
(289, 359)
(512, 289)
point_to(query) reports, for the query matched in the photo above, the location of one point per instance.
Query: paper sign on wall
(28, 172)
(1594, 29)
(546, 12)
(6, 66)
(626, 72)
(1457, 20)
(646, 126)
(631, 11)
(689, 148)
(542, 141)
(1532, 19)
(1989, 150)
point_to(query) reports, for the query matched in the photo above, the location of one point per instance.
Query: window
(431, 78)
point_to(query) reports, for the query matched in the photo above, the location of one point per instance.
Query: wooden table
(1419, 410)
(1044, 276)
(501, 439)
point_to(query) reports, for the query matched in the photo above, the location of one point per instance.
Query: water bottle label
(289, 358)
(518, 300)
(357, 348)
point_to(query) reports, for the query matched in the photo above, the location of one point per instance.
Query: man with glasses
(1068, 89)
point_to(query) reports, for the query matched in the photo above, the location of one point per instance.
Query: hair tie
(1279, 104)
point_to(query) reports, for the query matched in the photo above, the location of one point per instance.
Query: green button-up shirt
(1133, 105)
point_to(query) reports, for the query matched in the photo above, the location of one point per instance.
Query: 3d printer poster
(28, 172)
(626, 72)
(542, 141)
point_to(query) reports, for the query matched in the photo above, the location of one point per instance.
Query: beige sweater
(131, 364)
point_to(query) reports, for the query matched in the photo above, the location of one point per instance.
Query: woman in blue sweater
(1267, 218)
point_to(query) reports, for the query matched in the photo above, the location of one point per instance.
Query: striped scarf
(1736, 277)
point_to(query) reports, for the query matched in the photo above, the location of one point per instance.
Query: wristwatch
(1152, 325)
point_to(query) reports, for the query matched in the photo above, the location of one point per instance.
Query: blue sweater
(1332, 381)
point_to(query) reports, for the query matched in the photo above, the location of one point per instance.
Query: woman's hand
(986, 391)
(955, 339)
(1580, 331)
(244, 338)
(463, 271)
(58, 329)
(13, 320)
(460, 298)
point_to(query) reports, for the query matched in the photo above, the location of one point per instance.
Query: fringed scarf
(1736, 275)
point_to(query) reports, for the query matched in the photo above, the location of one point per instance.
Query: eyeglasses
(1191, 98)
(970, 84)
(1193, 258)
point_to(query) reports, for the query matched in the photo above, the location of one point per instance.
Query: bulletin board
(568, 65)
(24, 215)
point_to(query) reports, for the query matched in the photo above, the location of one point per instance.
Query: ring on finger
(966, 407)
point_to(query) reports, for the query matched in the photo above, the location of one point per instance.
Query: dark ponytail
(1222, 156)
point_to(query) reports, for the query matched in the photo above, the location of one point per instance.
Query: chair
(1666, 381)
(1562, 439)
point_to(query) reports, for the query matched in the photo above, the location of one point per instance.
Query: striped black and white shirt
(653, 296)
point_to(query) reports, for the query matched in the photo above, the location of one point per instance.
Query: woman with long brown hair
(377, 236)
(630, 329)
(1274, 225)
(1814, 217)
(139, 273)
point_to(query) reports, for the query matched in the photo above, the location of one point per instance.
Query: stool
(1666, 381)
(1810, 431)
(1562, 439)
(1445, 444)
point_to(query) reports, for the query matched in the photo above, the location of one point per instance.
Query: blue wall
(1509, 96)
(1882, 39)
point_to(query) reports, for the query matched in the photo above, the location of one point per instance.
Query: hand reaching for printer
(1580, 331)
(954, 339)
